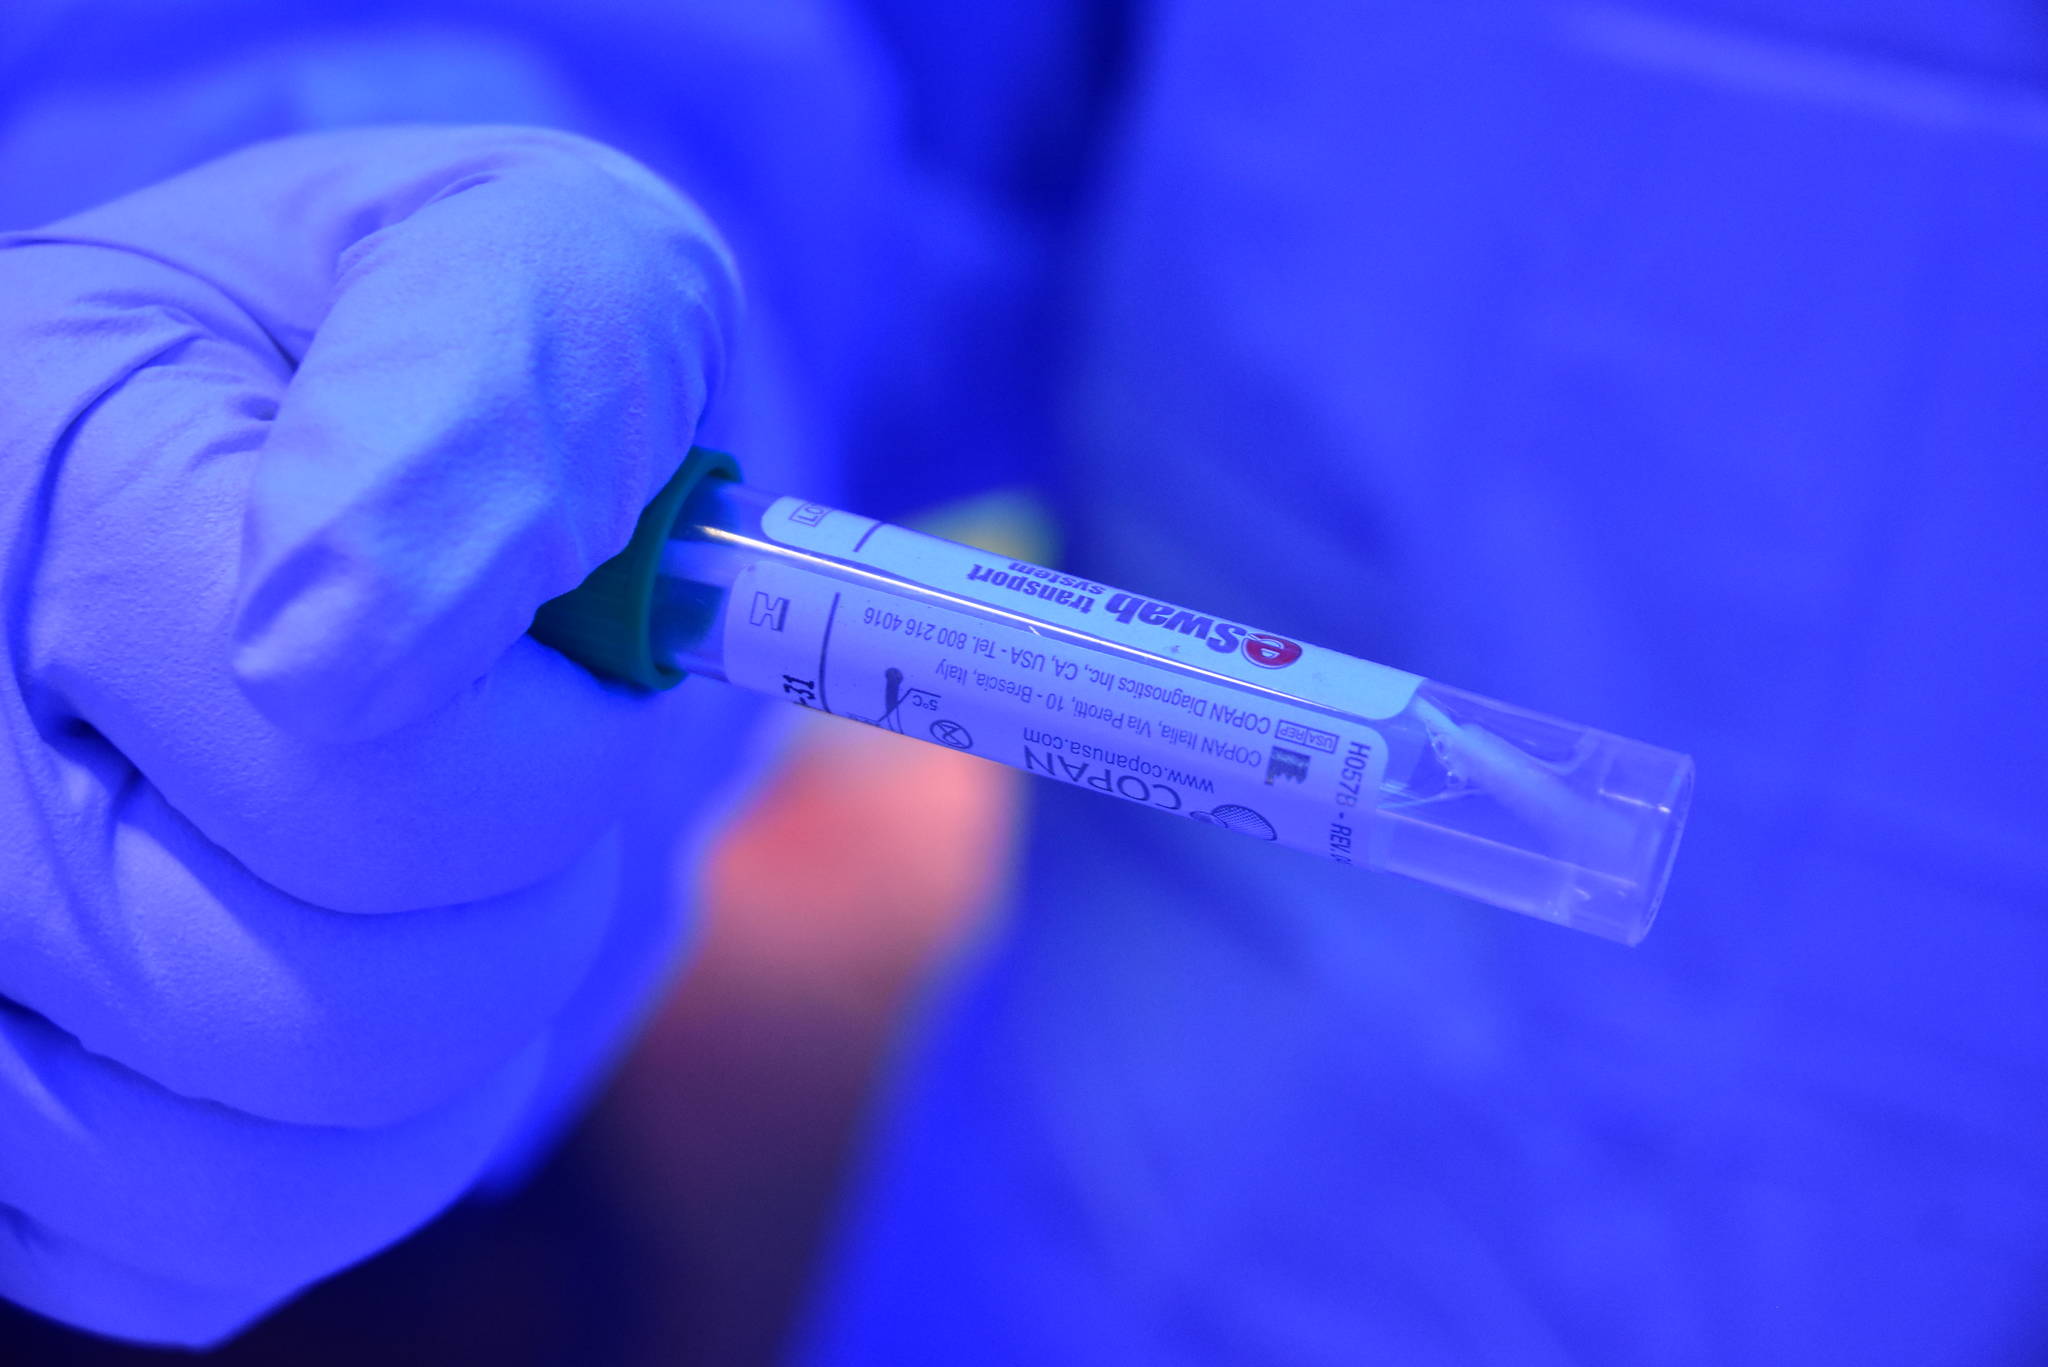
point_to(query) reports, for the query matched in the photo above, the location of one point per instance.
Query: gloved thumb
(503, 341)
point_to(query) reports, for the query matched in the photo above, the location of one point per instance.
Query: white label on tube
(1207, 642)
(1072, 713)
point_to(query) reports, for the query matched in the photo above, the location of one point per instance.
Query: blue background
(1679, 368)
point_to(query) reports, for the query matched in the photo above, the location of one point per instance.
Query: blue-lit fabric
(313, 859)
(1677, 369)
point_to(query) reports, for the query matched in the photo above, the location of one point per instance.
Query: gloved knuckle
(343, 1087)
(567, 173)
(394, 1049)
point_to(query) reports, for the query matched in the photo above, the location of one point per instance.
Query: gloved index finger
(504, 340)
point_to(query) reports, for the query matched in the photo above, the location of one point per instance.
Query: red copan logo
(1270, 652)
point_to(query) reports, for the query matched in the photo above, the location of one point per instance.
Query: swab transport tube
(1191, 714)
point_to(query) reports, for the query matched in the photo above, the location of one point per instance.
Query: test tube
(1132, 697)
(1186, 712)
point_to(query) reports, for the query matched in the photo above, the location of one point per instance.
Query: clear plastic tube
(1179, 710)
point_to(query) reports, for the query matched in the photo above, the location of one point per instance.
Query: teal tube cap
(602, 623)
